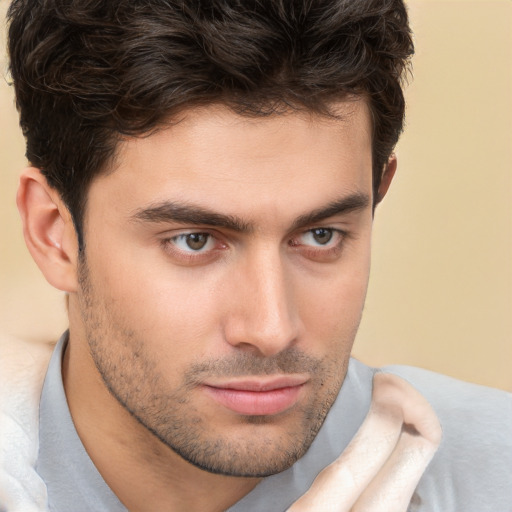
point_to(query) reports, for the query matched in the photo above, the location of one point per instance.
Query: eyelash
(328, 252)
(322, 253)
(192, 257)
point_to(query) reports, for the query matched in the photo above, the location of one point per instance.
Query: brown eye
(196, 241)
(322, 245)
(322, 236)
(194, 248)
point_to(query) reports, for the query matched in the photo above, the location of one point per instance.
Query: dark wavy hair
(87, 72)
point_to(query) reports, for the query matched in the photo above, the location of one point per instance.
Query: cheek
(160, 306)
(331, 307)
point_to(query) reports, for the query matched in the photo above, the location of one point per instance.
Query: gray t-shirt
(471, 471)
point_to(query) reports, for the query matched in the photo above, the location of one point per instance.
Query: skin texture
(377, 472)
(158, 327)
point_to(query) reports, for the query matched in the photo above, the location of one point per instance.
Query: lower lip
(256, 403)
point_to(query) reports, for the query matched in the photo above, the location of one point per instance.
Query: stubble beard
(132, 377)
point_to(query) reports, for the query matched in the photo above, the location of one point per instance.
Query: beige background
(441, 287)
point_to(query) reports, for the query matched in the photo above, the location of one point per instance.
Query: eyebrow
(342, 206)
(183, 213)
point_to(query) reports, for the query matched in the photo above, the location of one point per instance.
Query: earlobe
(387, 176)
(48, 230)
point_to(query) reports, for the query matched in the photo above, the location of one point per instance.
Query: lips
(257, 397)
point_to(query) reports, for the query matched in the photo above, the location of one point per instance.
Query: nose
(263, 315)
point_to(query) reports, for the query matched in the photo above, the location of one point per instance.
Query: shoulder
(472, 469)
(455, 400)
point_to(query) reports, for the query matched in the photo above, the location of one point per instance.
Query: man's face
(224, 275)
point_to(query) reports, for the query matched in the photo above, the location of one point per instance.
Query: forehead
(225, 161)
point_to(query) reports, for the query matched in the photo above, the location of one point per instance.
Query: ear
(48, 230)
(387, 176)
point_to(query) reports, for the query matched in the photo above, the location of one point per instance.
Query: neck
(143, 472)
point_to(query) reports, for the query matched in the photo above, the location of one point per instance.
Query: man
(203, 182)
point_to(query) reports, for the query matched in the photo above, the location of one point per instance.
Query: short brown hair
(87, 71)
